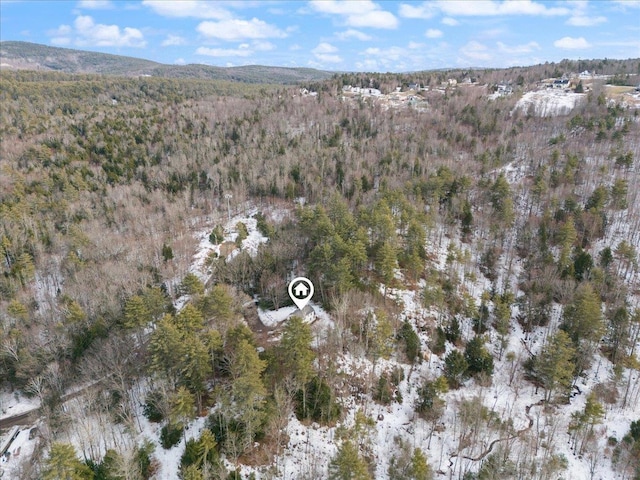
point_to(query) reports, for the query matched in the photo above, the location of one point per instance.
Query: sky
(337, 35)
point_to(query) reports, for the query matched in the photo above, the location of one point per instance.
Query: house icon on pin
(300, 290)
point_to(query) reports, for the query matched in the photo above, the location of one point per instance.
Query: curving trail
(504, 439)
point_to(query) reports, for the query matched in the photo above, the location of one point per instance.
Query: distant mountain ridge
(33, 56)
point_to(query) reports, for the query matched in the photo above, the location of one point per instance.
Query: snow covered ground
(21, 448)
(549, 103)
(206, 248)
(15, 403)
(310, 447)
(273, 318)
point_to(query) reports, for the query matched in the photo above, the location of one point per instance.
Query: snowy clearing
(549, 103)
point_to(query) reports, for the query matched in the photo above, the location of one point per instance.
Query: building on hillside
(504, 89)
(365, 91)
(307, 314)
(561, 83)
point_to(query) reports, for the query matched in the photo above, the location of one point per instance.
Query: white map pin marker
(301, 290)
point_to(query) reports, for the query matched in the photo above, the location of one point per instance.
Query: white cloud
(172, 40)
(414, 56)
(328, 58)
(482, 8)
(363, 13)
(584, 21)
(386, 54)
(97, 34)
(570, 43)
(452, 22)
(476, 51)
(95, 4)
(61, 35)
(423, 11)
(187, 8)
(345, 7)
(352, 33)
(327, 53)
(628, 3)
(235, 29)
(263, 46)
(433, 33)
(86, 32)
(368, 65)
(61, 31)
(390, 58)
(244, 49)
(375, 19)
(180, 61)
(224, 52)
(518, 49)
(325, 47)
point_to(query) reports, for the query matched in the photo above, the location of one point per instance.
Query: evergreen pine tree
(192, 472)
(386, 262)
(136, 313)
(420, 469)
(166, 350)
(554, 365)
(583, 319)
(191, 285)
(479, 359)
(348, 464)
(455, 368)
(62, 464)
(296, 355)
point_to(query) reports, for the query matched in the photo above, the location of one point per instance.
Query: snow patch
(549, 103)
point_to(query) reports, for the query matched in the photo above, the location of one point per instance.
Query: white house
(504, 89)
(308, 314)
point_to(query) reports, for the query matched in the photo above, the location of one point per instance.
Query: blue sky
(361, 35)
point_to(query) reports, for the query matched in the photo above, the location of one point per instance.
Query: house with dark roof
(561, 83)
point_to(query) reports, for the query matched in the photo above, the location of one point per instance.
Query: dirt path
(25, 418)
(29, 417)
(498, 440)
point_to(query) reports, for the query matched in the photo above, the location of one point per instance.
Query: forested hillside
(475, 269)
(33, 56)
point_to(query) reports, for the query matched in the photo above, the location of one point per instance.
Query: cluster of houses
(364, 91)
(412, 87)
(407, 94)
(404, 95)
